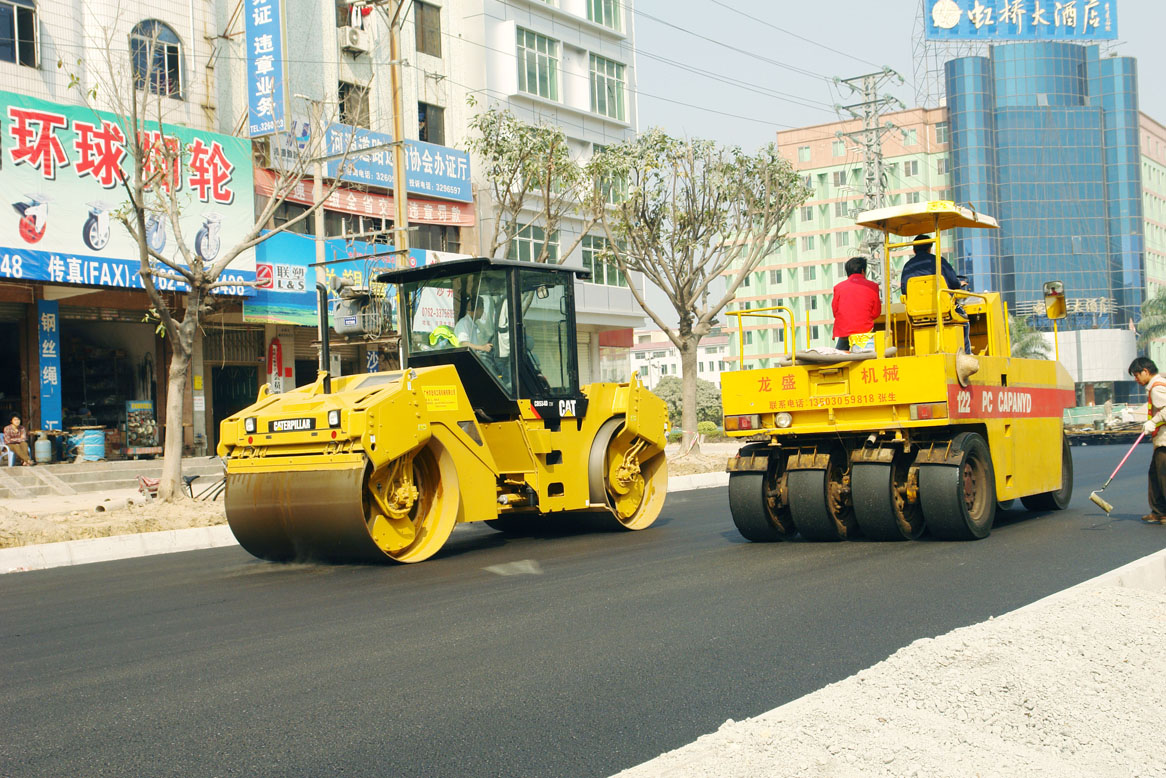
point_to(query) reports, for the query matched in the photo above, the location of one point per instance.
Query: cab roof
(459, 267)
(919, 218)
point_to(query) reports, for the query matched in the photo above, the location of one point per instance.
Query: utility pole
(869, 139)
(396, 14)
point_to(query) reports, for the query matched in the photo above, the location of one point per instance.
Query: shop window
(431, 123)
(436, 237)
(286, 211)
(18, 32)
(156, 56)
(427, 22)
(354, 109)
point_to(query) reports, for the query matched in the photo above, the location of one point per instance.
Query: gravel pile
(1074, 686)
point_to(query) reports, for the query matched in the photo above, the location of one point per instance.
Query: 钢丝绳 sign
(49, 365)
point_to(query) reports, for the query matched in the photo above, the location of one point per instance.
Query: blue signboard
(266, 84)
(1015, 20)
(285, 267)
(49, 348)
(436, 171)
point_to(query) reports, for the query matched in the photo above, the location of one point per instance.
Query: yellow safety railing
(785, 316)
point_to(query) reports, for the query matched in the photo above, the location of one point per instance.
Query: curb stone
(81, 552)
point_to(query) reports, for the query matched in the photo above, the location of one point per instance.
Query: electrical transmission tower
(870, 110)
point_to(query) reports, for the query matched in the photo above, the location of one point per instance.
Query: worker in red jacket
(856, 306)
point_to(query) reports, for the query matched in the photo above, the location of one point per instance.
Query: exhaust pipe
(325, 356)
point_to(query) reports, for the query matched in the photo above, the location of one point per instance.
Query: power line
(794, 34)
(736, 49)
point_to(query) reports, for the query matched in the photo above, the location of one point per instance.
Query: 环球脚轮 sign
(63, 167)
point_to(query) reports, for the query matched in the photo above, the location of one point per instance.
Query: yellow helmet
(443, 332)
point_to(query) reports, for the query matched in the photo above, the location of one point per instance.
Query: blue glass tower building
(1044, 136)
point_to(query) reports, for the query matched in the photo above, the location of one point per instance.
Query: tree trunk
(171, 484)
(689, 442)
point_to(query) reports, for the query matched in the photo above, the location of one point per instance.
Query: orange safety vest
(1157, 380)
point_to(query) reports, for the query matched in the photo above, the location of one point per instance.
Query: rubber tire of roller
(1058, 500)
(872, 491)
(807, 503)
(941, 493)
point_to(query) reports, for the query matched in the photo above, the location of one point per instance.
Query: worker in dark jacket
(856, 305)
(923, 264)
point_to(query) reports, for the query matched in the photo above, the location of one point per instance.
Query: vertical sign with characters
(49, 348)
(266, 82)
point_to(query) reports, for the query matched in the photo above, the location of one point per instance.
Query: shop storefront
(75, 330)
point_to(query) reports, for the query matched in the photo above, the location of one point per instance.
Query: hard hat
(443, 332)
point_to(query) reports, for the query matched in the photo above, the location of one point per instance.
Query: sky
(775, 71)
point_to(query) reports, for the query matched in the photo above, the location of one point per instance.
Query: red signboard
(346, 200)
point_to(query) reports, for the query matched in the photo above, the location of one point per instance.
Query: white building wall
(87, 38)
(1096, 355)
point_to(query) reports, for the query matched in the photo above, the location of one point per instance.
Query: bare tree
(534, 181)
(137, 94)
(692, 212)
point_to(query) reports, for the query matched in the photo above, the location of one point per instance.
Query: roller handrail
(765, 313)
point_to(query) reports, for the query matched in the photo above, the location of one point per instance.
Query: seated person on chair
(856, 306)
(16, 438)
(469, 332)
(923, 264)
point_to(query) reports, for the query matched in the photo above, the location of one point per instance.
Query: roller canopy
(919, 218)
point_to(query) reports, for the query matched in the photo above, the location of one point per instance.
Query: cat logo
(566, 408)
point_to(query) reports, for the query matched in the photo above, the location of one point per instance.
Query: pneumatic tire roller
(917, 434)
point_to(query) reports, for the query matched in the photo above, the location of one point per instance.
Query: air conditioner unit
(353, 39)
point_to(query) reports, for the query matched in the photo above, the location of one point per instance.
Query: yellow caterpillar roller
(486, 422)
(913, 435)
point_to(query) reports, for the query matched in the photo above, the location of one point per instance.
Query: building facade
(822, 234)
(653, 356)
(570, 62)
(1045, 136)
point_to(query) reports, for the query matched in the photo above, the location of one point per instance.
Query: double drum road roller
(916, 434)
(485, 422)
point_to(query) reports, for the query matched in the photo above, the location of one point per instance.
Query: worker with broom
(1145, 372)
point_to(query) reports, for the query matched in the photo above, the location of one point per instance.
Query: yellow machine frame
(915, 408)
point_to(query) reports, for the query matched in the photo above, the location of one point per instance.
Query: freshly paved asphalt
(595, 652)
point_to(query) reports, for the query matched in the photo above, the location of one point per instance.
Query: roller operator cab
(914, 435)
(486, 422)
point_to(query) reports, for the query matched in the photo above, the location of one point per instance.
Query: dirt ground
(52, 519)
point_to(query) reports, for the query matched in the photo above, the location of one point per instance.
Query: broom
(1095, 496)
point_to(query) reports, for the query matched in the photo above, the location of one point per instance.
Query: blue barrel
(93, 445)
(43, 451)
